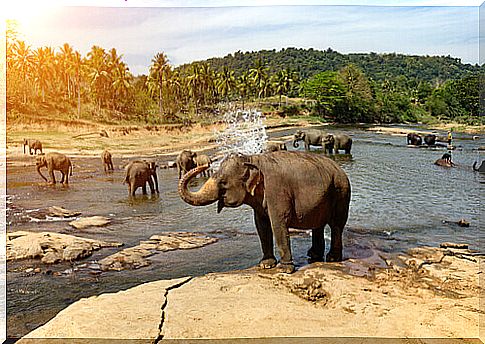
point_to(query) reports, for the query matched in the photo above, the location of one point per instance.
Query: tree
(158, 71)
(326, 89)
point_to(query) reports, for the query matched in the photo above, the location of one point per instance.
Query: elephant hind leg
(317, 251)
(337, 227)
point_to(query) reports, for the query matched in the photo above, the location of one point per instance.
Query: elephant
(55, 162)
(185, 162)
(481, 168)
(310, 192)
(337, 142)
(445, 161)
(273, 147)
(106, 158)
(310, 137)
(430, 139)
(33, 145)
(138, 174)
(201, 160)
(414, 139)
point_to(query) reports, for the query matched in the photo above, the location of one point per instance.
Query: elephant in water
(333, 142)
(185, 162)
(445, 161)
(138, 174)
(55, 162)
(202, 160)
(309, 193)
(414, 139)
(481, 168)
(430, 139)
(106, 158)
(34, 145)
(273, 147)
(310, 137)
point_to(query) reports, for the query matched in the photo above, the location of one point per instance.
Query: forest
(328, 85)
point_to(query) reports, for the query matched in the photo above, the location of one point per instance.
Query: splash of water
(245, 133)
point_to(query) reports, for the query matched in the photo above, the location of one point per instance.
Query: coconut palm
(158, 71)
(44, 68)
(23, 62)
(259, 76)
(226, 82)
(244, 87)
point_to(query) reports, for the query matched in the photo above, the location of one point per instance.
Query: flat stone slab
(62, 212)
(136, 257)
(51, 247)
(135, 313)
(93, 221)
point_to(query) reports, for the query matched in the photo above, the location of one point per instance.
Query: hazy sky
(193, 30)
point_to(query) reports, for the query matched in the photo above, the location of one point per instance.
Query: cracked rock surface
(135, 313)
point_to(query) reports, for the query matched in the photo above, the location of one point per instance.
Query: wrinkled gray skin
(138, 174)
(273, 147)
(430, 139)
(34, 145)
(310, 137)
(106, 158)
(203, 160)
(414, 139)
(310, 192)
(185, 162)
(332, 142)
(54, 162)
(481, 168)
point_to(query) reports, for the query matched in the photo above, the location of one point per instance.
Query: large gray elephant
(138, 174)
(414, 139)
(311, 137)
(337, 142)
(309, 192)
(34, 145)
(185, 162)
(54, 162)
(479, 169)
(202, 160)
(107, 160)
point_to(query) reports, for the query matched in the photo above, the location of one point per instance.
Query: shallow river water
(399, 200)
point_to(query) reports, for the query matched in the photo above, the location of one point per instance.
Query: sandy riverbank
(430, 293)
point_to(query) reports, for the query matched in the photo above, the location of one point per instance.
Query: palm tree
(98, 74)
(23, 62)
(259, 76)
(122, 79)
(243, 86)
(194, 81)
(64, 68)
(76, 67)
(43, 71)
(158, 72)
(226, 82)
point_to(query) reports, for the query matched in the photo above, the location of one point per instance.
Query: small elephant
(185, 162)
(33, 145)
(203, 160)
(106, 158)
(430, 139)
(414, 139)
(310, 137)
(55, 162)
(337, 142)
(273, 147)
(481, 168)
(445, 161)
(309, 193)
(138, 174)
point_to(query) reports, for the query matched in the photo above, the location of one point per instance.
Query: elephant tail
(70, 169)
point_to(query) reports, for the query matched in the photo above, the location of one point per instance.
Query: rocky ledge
(430, 293)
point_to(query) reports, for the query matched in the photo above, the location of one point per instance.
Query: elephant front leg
(279, 224)
(53, 178)
(317, 251)
(150, 184)
(263, 225)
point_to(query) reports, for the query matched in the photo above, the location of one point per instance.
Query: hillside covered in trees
(346, 88)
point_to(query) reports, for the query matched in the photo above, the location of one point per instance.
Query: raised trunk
(208, 193)
(295, 144)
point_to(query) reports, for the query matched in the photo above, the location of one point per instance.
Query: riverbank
(153, 141)
(428, 293)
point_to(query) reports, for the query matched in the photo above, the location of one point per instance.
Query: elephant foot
(334, 257)
(268, 263)
(314, 257)
(287, 268)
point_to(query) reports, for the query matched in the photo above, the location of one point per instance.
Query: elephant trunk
(475, 166)
(295, 143)
(209, 193)
(38, 171)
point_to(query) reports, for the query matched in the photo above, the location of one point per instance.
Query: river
(399, 201)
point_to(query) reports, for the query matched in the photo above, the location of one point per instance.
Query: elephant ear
(255, 178)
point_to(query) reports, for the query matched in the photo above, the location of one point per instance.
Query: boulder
(93, 221)
(61, 212)
(51, 247)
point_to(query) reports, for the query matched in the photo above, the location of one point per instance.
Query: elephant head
(232, 185)
(328, 140)
(40, 161)
(299, 136)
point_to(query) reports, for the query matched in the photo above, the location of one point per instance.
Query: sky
(191, 30)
